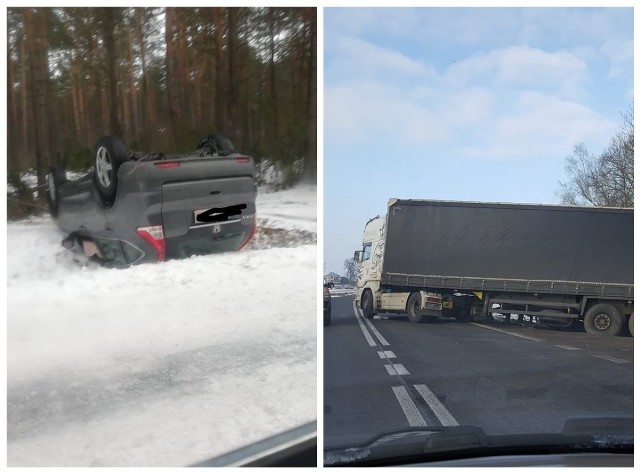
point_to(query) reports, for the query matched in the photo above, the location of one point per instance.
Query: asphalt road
(386, 374)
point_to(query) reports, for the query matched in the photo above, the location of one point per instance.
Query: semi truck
(469, 260)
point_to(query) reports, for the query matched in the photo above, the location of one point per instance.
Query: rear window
(118, 253)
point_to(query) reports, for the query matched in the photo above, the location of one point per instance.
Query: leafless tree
(351, 269)
(604, 180)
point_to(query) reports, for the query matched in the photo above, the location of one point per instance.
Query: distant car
(145, 207)
(327, 303)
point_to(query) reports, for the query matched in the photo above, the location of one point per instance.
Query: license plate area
(196, 213)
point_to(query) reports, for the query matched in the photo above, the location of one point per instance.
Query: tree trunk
(311, 158)
(232, 35)
(220, 113)
(109, 25)
(175, 111)
(39, 76)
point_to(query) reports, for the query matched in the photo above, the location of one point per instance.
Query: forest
(161, 79)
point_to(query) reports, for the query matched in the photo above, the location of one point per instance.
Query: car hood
(613, 435)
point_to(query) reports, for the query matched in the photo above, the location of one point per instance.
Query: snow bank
(160, 364)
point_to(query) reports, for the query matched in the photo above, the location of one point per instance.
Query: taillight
(242, 159)
(327, 294)
(167, 164)
(155, 236)
(250, 236)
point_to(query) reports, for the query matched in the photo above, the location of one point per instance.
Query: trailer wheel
(367, 304)
(413, 308)
(603, 319)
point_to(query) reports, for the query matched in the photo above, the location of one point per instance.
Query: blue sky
(477, 104)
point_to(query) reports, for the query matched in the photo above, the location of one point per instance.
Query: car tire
(327, 318)
(603, 319)
(109, 153)
(413, 308)
(631, 324)
(367, 304)
(57, 176)
(216, 143)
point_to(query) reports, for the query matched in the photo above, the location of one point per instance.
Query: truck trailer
(559, 264)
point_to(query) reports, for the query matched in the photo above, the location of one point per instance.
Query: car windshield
(488, 308)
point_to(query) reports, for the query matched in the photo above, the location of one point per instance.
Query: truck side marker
(408, 407)
(534, 339)
(436, 406)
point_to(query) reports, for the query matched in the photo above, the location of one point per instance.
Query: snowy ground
(161, 364)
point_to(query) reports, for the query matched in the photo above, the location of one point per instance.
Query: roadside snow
(160, 364)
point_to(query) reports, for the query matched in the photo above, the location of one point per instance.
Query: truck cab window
(366, 252)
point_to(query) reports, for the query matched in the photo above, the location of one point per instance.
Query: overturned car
(142, 207)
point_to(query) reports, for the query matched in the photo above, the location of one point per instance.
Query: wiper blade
(408, 443)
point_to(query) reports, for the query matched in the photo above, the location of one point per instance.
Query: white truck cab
(372, 298)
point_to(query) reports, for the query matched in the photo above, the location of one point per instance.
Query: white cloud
(371, 111)
(523, 67)
(362, 58)
(543, 127)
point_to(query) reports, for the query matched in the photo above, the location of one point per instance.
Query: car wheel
(216, 143)
(327, 318)
(603, 319)
(413, 308)
(367, 304)
(57, 176)
(631, 324)
(110, 153)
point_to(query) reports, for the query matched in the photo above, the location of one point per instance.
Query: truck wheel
(603, 319)
(367, 304)
(464, 314)
(413, 308)
(631, 324)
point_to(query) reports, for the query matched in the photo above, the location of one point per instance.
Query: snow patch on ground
(161, 364)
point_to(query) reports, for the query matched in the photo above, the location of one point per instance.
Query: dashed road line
(436, 406)
(396, 369)
(406, 401)
(569, 348)
(534, 339)
(408, 407)
(612, 359)
(386, 355)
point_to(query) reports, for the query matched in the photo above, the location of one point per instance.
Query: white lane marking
(534, 339)
(382, 340)
(396, 369)
(367, 336)
(436, 406)
(408, 407)
(569, 348)
(386, 355)
(613, 359)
